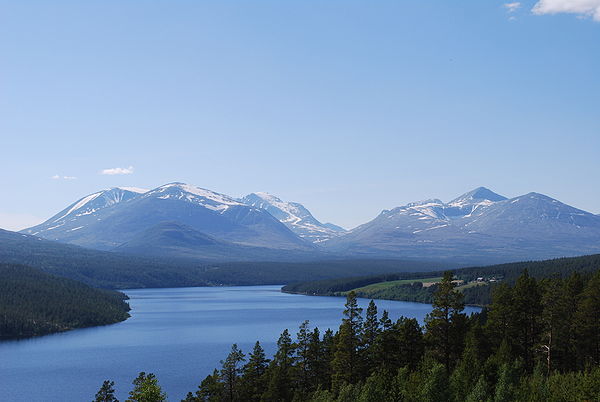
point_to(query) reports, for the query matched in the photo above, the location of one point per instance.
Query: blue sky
(349, 107)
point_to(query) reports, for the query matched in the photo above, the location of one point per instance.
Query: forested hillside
(413, 290)
(118, 271)
(538, 341)
(33, 303)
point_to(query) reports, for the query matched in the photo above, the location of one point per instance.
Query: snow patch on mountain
(86, 207)
(196, 195)
(480, 225)
(134, 189)
(295, 216)
(79, 204)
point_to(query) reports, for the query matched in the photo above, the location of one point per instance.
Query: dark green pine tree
(385, 322)
(386, 345)
(281, 376)
(146, 389)
(446, 324)
(106, 392)
(346, 364)
(526, 325)
(211, 389)
(370, 333)
(230, 372)
(587, 323)
(317, 360)
(304, 361)
(557, 324)
(253, 380)
(410, 343)
(327, 351)
(499, 324)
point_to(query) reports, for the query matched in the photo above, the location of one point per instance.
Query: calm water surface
(178, 334)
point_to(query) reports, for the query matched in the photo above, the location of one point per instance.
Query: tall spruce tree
(318, 360)
(327, 353)
(370, 333)
(526, 319)
(304, 356)
(230, 372)
(499, 326)
(410, 343)
(557, 323)
(253, 378)
(281, 376)
(346, 362)
(446, 324)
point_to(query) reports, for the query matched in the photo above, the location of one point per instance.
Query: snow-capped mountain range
(479, 226)
(295, 216)
(113, 217)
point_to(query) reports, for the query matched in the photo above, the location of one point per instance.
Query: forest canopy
(33, 303)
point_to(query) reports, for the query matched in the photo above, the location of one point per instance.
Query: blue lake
(178, 334)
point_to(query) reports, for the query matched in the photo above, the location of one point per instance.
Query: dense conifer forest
(119, 271)
(475, 295)
(33, 303)
(538, 340)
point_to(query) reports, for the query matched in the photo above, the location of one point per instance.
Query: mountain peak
(197, 195)
(533, 194)
(266, 196)
(89, 205)
(132, 189)
(480, 194)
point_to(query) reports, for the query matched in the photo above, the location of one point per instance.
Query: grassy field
(382, 286)
(470, 285)
(375, 287)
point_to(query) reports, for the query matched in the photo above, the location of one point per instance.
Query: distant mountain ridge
(178, 219)
(477, 226)
(110, 218)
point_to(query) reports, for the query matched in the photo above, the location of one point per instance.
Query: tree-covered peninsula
(34, 303)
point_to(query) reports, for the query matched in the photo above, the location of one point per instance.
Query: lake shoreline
(368, 298)
(180, 334)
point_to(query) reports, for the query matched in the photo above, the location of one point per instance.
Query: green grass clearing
(384, 285)
(470, 285)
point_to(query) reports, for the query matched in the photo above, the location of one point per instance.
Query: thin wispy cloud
(59, 177)
(117, 170)
(512, 7)
(583, 8)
